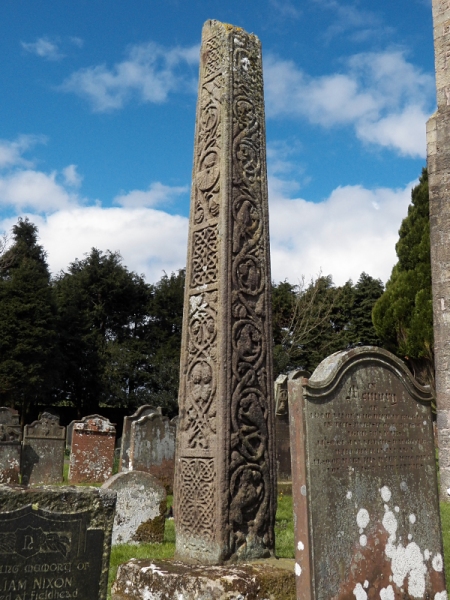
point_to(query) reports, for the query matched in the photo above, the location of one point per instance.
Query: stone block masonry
(438, 152)
(225, 469)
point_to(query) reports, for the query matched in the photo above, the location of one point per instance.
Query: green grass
(445, 522)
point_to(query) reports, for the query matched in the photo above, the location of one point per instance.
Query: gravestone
(69, 432)
(152, 448)
(43, 451)
(55, 542)
(438, 157)
(283, 446)
(10, 445)
(92, 451)
(366, 508)
(225, 469)
(140, 508)
(146, 409)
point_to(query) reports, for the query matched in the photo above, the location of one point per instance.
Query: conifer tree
(403, 316)
(28, 333)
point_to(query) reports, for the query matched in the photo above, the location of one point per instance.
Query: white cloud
(43, 47)
(385, 98)
(150, 241)
(11, 152)
(149, 73)
(352, 231)
(156, 194)
(71, 176)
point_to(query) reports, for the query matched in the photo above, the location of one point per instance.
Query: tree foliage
(28, 329)
(311, 322)
(403, 316)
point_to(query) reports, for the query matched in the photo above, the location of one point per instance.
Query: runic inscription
(224, 494)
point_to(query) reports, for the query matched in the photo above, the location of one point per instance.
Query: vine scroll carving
(225, 469)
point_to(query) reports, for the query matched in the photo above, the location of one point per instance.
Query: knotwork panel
(196, 508)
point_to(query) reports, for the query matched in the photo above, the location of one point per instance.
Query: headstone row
(148, 444)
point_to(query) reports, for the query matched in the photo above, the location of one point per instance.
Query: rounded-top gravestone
(140, 509)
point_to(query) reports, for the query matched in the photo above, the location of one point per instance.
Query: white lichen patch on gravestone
(437, 562)
(362, 519)
(387, 593)
(385, 493)
(298, 570)
(441, 596)
(300, 546)
(359, 592)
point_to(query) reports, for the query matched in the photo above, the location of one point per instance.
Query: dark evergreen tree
(403, 316)
(102, 309)
(28, 333)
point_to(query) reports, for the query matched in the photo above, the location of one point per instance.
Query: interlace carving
(197, 497)
(204, 259)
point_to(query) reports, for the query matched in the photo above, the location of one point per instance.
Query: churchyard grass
(445, 522)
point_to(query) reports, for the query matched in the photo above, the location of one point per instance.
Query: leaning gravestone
(43, 451)
(152, 447)
(146, 409)
(10, 445)
(92, 451)
(69, 432)
(140, 509)
(55, 542)
(364, 481)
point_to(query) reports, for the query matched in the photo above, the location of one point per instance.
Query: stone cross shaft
(225, 477)
(438, 150)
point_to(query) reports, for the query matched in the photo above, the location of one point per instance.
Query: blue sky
(97, 124)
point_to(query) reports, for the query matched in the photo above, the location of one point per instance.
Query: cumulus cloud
(11, 153)
(44, 47)
(285, 8)
(71, 176)
(156, 194)
(353, 230)
(150, 241)
(149, 73)
(386, 99)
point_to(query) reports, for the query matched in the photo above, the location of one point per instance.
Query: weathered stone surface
(152, 447)
(43, 451)
(140, 509)
(92, 450)
(365, 496)
(146, 409)
(166, 580)
(438, 152)
(10, 445)
(69, 432)
(283, 445)
(55, 542)
(225, 459)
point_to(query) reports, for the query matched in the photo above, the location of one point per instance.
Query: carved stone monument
(438, 150)
(146, 409)
(10, 445)
(92, 451)
(225, 471)
(366, 508)
(55, 542)
(152, 448)
(43, 451)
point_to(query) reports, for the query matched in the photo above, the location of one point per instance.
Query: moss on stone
(152, 531)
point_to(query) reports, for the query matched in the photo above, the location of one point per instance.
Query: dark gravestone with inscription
(364, 481)
(55, 542)
(10, 445)
(43, 451)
